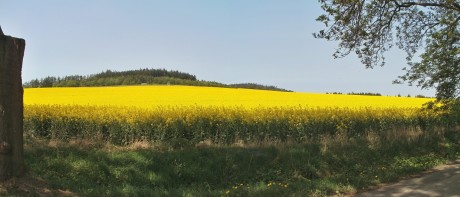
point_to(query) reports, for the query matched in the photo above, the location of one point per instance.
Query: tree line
(144, 76)
(357, 93)
(375, 94)
(110, 78)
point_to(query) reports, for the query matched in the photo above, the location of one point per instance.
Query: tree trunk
(11, 107)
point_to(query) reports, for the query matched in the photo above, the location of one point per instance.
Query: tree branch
(453, 6)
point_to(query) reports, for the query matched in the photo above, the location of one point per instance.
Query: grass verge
(335, 165)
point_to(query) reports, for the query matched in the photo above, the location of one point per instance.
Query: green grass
(335, 165)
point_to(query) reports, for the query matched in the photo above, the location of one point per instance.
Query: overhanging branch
(451, 6)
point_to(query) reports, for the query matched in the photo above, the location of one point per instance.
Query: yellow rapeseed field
(176, 96)
(123, 115)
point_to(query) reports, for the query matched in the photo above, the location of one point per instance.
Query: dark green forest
(144, 76)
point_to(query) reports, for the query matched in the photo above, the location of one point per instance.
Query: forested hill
(136, 77)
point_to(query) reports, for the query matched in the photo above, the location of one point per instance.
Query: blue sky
(231, 41)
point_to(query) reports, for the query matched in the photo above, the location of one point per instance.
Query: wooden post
(11, 107)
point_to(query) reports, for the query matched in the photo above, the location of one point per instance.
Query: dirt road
(441, 181)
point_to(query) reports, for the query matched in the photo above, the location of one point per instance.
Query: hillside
(137, 77)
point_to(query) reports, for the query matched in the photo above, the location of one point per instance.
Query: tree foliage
(369, 28)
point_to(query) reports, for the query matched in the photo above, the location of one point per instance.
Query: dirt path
(441, 181)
